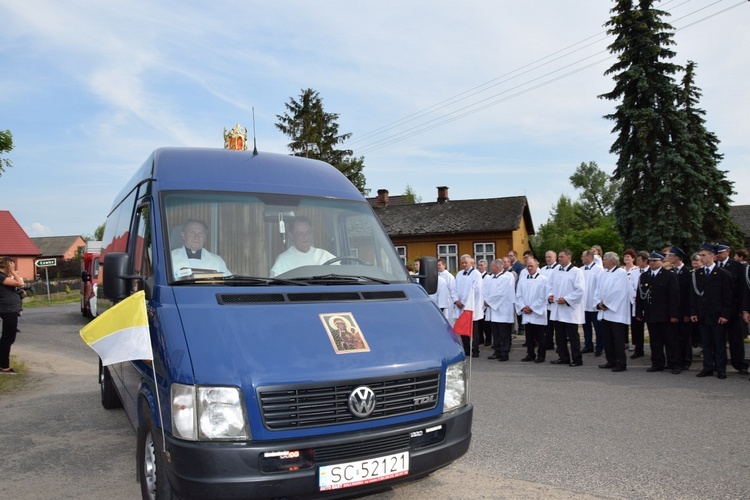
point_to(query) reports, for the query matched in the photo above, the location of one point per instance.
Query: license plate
(333, 477)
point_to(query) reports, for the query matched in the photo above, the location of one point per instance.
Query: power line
(483, 104)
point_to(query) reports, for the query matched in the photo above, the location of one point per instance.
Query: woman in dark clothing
(10, 304)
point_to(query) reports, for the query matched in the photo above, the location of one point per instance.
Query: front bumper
(200, 470)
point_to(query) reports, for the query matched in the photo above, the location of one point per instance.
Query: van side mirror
(116, 265)
(428, 274)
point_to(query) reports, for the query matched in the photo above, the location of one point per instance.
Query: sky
(491, 99)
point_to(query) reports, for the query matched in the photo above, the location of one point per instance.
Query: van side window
(143, 252)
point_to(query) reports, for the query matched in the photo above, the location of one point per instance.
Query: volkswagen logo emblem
(362, 402)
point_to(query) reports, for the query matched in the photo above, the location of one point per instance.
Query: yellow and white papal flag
(121, 332)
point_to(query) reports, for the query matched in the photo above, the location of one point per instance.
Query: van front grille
(316, 405)
(226, 299)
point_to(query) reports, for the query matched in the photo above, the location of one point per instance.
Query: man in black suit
(657, 302)
(735, 328)
(711, 307)
(684, 327)
(746, 294)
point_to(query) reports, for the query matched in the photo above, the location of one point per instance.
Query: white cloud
(39, 229)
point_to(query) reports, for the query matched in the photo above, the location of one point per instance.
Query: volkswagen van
(319, 378)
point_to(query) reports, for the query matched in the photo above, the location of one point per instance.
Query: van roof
(213, 169)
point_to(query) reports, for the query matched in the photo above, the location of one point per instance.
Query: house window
(449, 252)
(484, 251)
(402, 253)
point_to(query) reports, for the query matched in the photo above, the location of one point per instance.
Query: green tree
(702, 155)
(99, 233)
(315, 134)
(599, 191)
(6, 145)
(410, 196)
(650, 130)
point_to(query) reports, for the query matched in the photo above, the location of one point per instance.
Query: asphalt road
(540, 431)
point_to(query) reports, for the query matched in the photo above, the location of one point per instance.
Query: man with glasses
(192, 258)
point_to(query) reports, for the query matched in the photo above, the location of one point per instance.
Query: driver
(302, 253)
(192, 257)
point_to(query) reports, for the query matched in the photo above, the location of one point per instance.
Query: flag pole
(161, 420)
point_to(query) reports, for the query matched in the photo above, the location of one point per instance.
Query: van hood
(252, 344)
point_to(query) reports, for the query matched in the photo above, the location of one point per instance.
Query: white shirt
(568, 283)
(634, 277)
(532, 292)
(549, 273)
(467, 283)
(443, 296)
(183, 267)
(292, 258)
(591, 277)
(500, 297)
(613, 290)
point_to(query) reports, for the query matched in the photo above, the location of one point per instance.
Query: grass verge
(9, 383)
(42, 302)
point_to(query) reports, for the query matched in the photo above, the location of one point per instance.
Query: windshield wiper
(236, 279)
(342, 278)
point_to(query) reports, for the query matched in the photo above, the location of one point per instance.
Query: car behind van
(294, 355)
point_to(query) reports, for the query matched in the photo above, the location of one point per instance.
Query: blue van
(294, 356)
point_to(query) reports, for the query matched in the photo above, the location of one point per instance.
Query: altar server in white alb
(500, 295)
(531, 304)
(612, 297)
(446, 291)
(566, 296)
(469, 282)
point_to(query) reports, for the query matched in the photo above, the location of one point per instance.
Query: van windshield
(255, 238)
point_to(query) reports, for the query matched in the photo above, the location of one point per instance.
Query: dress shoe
(503, 359)
(636, 355)
(721, 375)
(654, 369)
(619, 369)
(576, 363)
(607, 365)
(523, 345)
(587, 351)
(539, 360)
(598, 353)
(559, 361)
(529, 358)
(704, 374)
(743, 371)
(493, 356)
(676, 371)
(474, 354)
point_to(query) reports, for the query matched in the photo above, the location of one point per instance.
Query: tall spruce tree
(702, 156)
(649, 208)
(315, 134)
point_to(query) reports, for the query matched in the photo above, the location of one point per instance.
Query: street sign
(46, 262)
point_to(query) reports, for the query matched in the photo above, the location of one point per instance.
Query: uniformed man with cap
(657, 303)
(676, 257)
(735, 328)
(711, 308)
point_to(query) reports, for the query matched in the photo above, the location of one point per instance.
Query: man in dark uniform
(684, 327)
(735, 328)
(711, 307)
(657, 302)
(746, 294)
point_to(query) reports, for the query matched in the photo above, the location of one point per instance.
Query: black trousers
(685, 343)
(501, 333)
(535, 337)
(637, 329)
(10, 327)
(714, 338)
(564, 333)
(664, 339)
(736, 338)
(549, 333)
(615, 337)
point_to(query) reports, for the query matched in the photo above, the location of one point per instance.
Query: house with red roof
(14, 242)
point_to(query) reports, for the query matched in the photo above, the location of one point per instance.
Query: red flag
(465, 322)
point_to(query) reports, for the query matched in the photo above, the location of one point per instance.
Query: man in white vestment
(192, 259)
(302, 253)
(499, 299)
(566, 294)
(469, 281)
(531, 304)
(612, 297)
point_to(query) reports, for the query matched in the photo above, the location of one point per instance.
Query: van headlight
(208, 413)
(455, 386)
